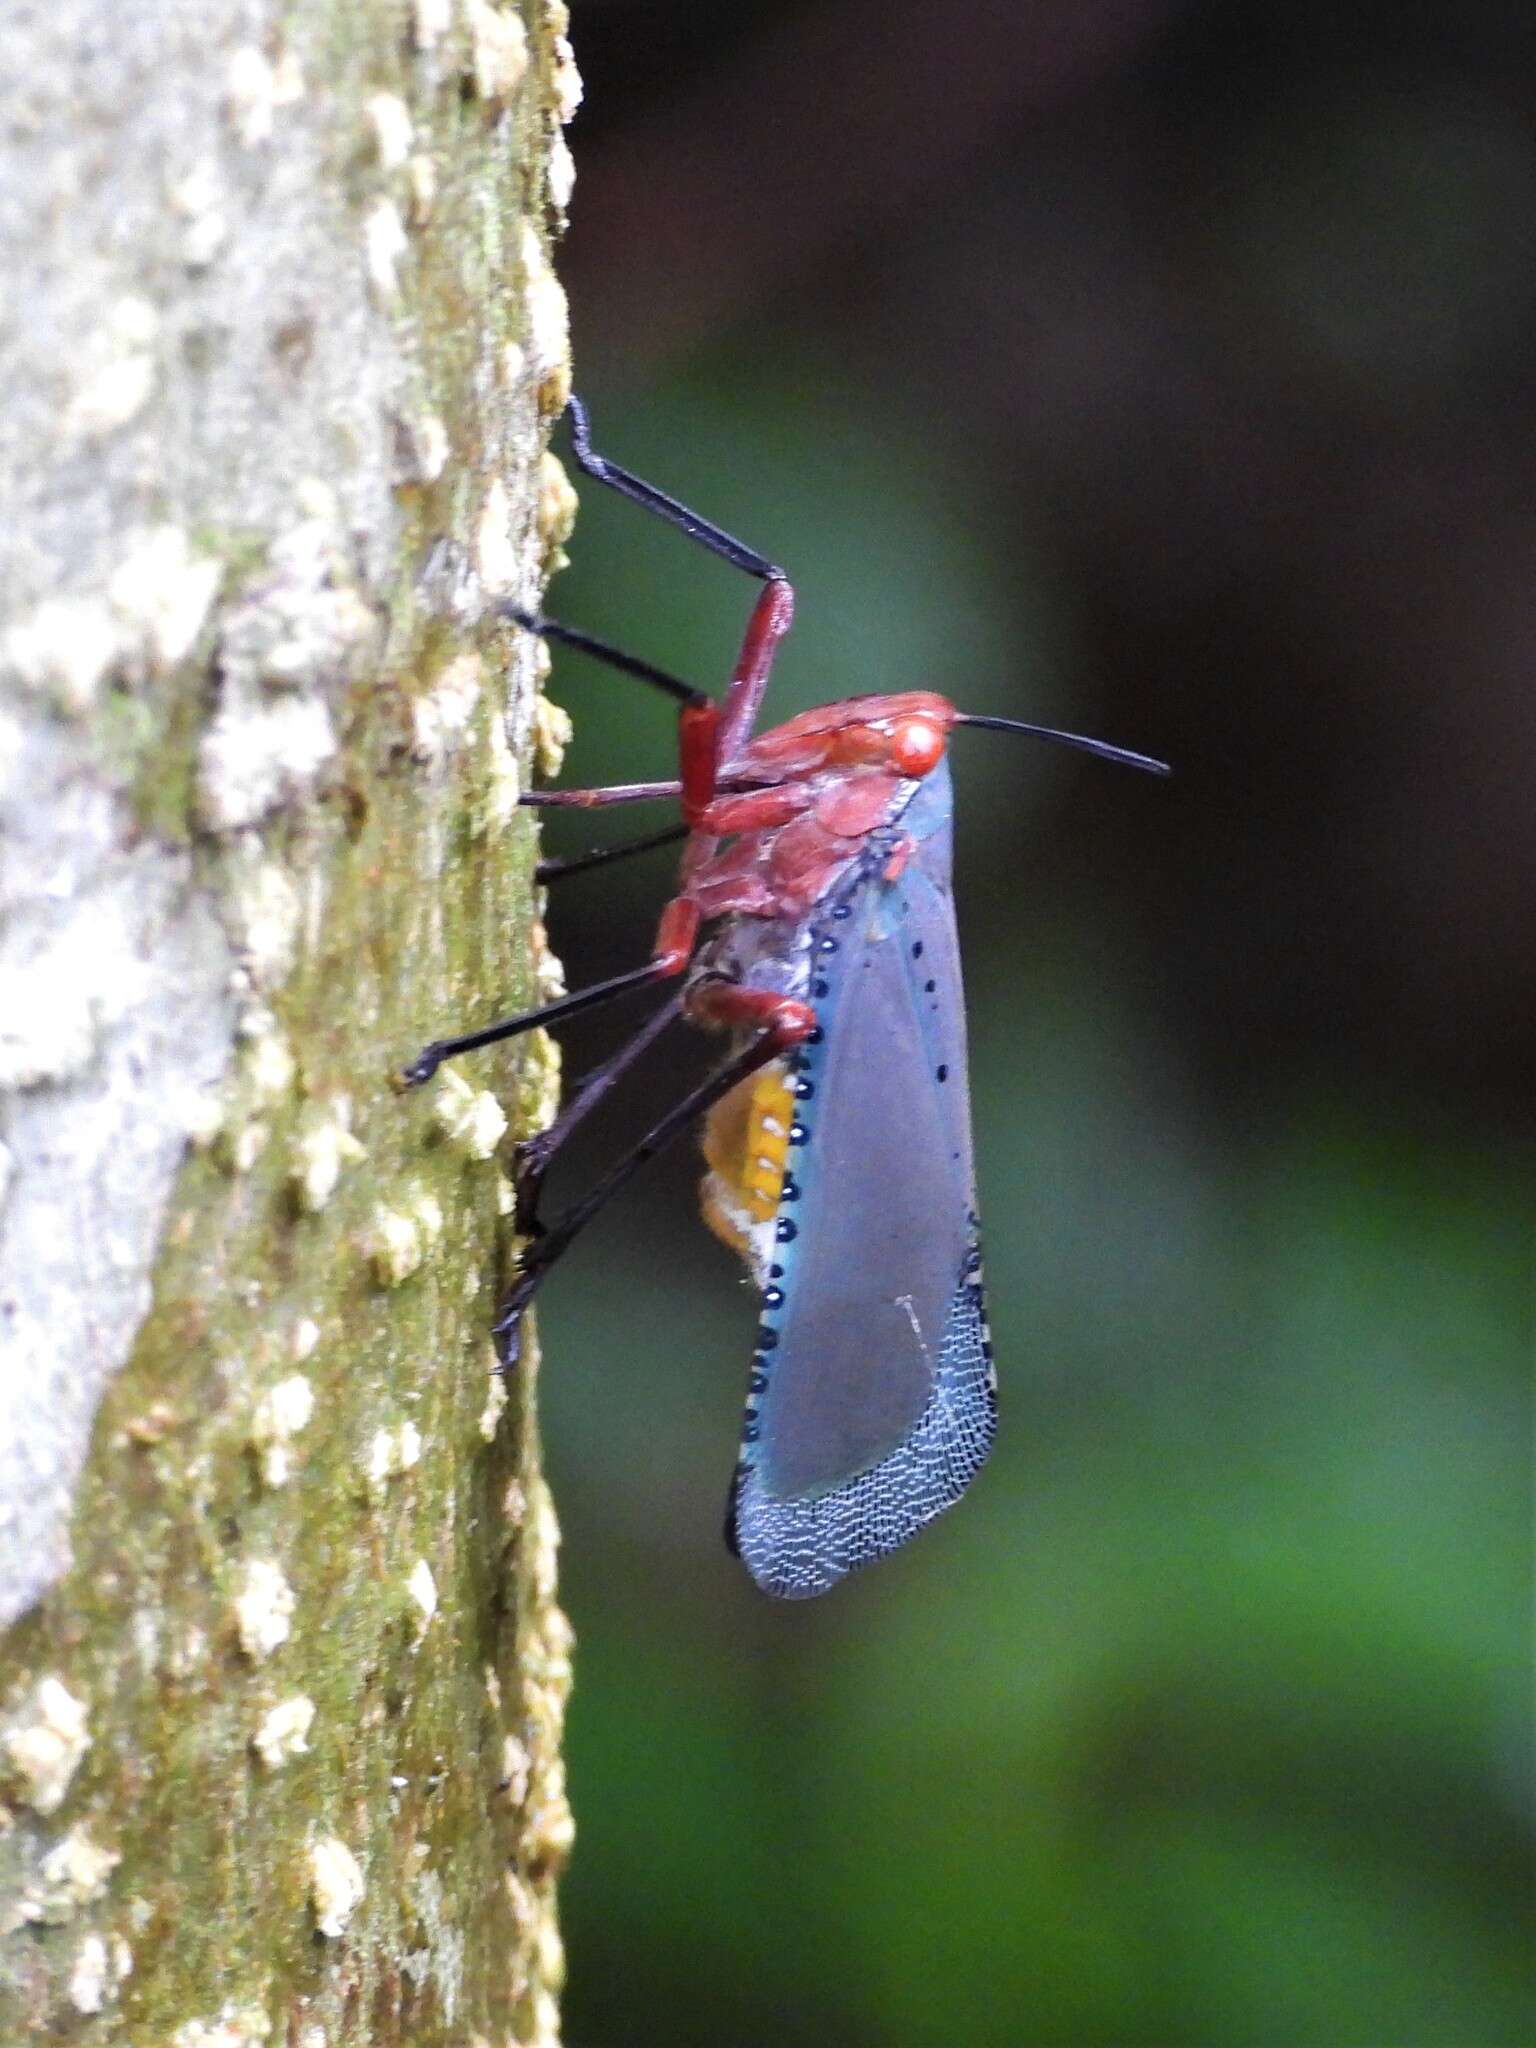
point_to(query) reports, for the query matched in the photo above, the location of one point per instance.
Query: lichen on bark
(280, 1712)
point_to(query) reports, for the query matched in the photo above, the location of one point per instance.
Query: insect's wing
(872, 1403)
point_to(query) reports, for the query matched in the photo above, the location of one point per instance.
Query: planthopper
(813, 928)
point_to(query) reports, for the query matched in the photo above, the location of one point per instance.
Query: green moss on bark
(379, 1574)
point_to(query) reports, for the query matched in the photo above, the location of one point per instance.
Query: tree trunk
(281, 1701)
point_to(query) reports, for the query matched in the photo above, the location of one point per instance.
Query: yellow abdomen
(746, 1146)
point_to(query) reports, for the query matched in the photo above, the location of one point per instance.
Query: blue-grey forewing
(873, 1402)
(878, 1202)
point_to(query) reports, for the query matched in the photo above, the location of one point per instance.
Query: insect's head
(917, 744)
(905, 733)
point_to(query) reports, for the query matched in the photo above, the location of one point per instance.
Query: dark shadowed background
(1165, 370)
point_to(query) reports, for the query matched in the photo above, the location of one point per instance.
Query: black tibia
(431, 1057)
(545, 1249)
(604, 651)
(672, 510)
(534, 1154)
(600, 856)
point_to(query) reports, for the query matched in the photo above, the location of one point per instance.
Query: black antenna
(1101, 748)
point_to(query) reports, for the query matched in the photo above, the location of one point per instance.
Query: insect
(813, 924)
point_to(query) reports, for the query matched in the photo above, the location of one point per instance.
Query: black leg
(543, 1251)
(534, 1154)
(431, 1057)
(630, 486)
(599, 857)
(605, 651)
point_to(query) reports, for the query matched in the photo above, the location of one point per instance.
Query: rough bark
(281, 1700)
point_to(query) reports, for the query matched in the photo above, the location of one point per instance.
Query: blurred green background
(1164, 370)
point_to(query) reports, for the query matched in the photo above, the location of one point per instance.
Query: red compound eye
(916, 746)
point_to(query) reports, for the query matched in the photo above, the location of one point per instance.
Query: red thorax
(819, 785)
